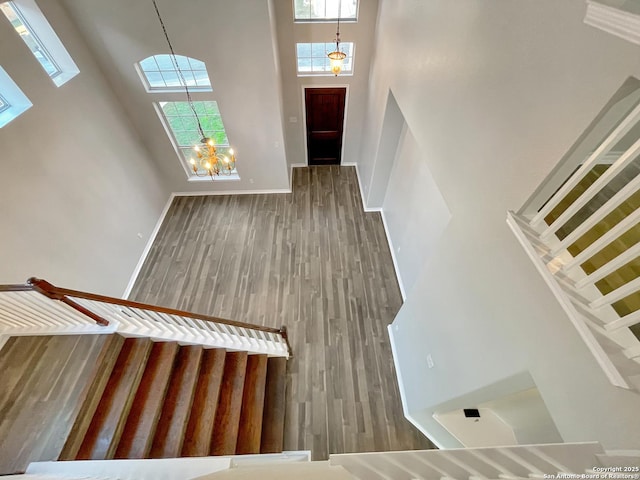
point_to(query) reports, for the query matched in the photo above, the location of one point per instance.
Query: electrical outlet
(429, 361)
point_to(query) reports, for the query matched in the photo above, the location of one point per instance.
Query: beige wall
(76, 183)
(234, 40)
(494, 94)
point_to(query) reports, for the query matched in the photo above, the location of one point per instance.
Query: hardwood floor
(314, 261)
(42, 383)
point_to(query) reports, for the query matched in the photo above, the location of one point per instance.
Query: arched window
(159, 74)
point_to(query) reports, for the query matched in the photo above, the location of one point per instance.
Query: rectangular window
(12, 101)
(325, 10)
(182, 123)
(34, 29)
(31, 39)
(313, 60)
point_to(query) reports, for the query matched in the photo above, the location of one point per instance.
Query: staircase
(162, 400)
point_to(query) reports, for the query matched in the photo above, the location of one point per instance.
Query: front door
(325, 119)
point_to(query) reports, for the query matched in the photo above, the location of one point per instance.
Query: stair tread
(169, 435)
(274, 406)
(197, 442)
(91, 396)
(107, 424)
(227, 421)
(250, 430)
(142, 420)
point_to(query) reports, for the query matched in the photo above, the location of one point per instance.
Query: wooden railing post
(51, 291)
(285, 337)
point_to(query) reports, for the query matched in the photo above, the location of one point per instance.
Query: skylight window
(325, 10)
(29, 22)
(12, 101)
(313, 60)
(159, 74)
(182, 126)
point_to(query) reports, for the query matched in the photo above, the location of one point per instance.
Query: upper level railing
(571, 460)
(585, 242)
(39, 307)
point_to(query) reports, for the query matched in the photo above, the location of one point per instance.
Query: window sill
(223, 178)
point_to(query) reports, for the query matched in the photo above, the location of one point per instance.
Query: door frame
(344, 120)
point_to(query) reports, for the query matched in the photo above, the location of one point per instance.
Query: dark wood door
(325, 118)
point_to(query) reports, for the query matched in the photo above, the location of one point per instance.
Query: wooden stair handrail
(56, 293)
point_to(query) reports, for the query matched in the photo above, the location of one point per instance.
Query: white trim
(403, 395)
(234, 177)
(163, 214)
(396, 268)
(147, 248)
(14, 97)
(291, 167)
(612, 20)
(49, 39)
(393, 256)
(231, 192)
(596, 349)
(364, 203)
(326, 73)
(607, 144)
(344, 120)
(192, 88)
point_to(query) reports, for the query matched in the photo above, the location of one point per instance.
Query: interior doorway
(325, 123)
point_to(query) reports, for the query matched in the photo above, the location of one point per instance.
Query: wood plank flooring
(42, 384)
(314, 261)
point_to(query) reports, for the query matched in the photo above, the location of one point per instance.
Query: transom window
(325, 10)
(30, 23)
(313, 60)
(160, 73)
(181, 122)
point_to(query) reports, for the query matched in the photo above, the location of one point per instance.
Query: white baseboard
(364, 203)
(232, 192)
(386, 232)
(291, 167)
(393, 256)
(147, 247)
(156, 229)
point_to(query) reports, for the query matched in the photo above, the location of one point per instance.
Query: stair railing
(559, 460)
(40, 308)
(584, 206)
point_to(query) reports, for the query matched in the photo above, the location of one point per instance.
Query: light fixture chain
(175, 64)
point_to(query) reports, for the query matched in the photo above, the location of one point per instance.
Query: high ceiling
(248, 47)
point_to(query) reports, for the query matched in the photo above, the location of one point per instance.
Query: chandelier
(206, 161)
(337, 57)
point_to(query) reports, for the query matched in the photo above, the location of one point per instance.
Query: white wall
(412, 195)
(76, 184)
(494, 94)
(526, 413)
